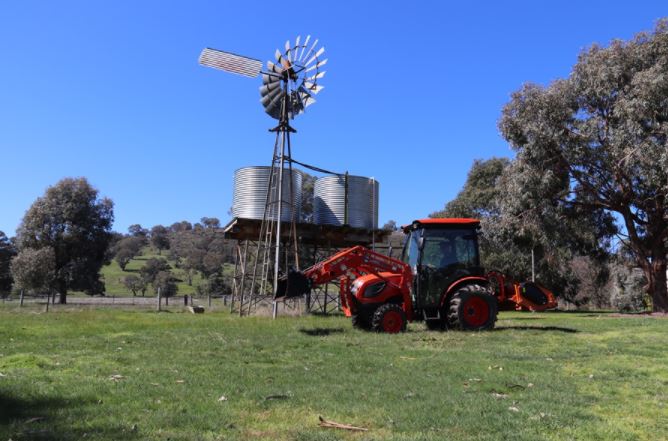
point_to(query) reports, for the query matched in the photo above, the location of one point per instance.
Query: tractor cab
(441, 253)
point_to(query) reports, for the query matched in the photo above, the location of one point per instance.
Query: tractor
(438, 280)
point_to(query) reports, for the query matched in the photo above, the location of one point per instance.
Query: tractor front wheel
(361, 320)
(389, 318)
(472, 308)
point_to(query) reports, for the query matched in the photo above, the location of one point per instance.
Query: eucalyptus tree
(593, 147)
(73, 221)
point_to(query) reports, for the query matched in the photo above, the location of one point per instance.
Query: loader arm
(345, 267)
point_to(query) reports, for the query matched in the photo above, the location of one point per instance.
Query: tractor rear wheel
(389, 318)
(472, 308)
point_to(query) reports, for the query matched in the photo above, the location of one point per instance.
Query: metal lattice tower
(288, 87)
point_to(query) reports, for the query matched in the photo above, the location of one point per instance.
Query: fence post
(21, 299)
(159, 300)
(209, 295)
(185, 300)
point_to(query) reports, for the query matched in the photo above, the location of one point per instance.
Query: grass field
(114, 374)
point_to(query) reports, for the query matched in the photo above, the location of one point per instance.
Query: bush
(628, 293)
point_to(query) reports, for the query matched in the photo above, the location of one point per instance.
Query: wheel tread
(377, 320)
(454, 307)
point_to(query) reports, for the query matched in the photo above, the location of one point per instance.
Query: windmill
(289, 85)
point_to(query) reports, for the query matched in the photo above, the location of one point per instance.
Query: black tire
(389, 318)
(472, 308)
(361, 320)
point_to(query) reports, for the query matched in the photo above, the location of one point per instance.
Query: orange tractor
(438, 279)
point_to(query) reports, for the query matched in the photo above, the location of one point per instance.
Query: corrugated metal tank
(329, 194)
(250, 193)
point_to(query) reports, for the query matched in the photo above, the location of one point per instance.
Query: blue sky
(112, 91)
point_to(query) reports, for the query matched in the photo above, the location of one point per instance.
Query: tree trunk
(656, 286)
(62, 291)
(650, 252)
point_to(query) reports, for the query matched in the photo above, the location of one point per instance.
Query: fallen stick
(335, 425)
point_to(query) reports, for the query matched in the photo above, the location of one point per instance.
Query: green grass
(544, 376)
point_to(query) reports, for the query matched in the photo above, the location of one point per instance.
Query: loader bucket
(534, 297)
(294, 284)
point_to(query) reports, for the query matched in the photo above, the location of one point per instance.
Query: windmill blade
(275, 102)
(296, 106)
(316, 76)
(317, 65)
(288, 53)
(269, 97)
(269, 87)
(274, 112)
(275, 68)
(278, 56)
(270, 79)
(301, 55)
(310, 51)
(315, 57)
(230, 62)
(282, 60)
(295, 49)
(307, 100)
(314, 88)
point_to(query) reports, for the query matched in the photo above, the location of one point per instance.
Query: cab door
(411, 257)
(446, 255)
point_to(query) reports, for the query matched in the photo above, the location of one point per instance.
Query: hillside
(113, 275)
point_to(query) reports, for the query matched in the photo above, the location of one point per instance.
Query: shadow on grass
(526, 318)
(35, 420)
(536, 328)
(319, 332)
(326, 314)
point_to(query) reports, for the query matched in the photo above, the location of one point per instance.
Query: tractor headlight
(374, 290)
(355, 287)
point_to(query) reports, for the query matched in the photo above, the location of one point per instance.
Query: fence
(47, 301)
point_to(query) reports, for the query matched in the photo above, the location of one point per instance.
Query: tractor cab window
(411, 249)
(449, 248)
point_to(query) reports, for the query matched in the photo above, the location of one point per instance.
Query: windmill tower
(289, 85)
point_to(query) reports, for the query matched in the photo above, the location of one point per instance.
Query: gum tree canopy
(597, 141)
(76, 224)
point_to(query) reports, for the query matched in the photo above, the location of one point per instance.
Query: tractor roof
(448, 221)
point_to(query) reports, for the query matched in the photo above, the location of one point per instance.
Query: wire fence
(156, 302)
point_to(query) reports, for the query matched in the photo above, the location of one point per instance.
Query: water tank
(250, 193)
(329, 207)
